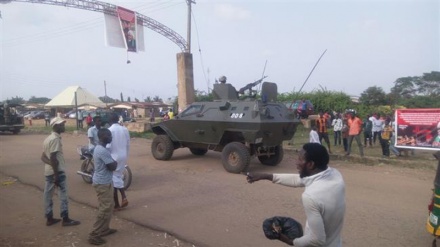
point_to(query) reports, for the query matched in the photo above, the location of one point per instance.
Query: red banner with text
(418, 128)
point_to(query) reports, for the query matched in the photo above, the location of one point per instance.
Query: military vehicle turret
(236, 123)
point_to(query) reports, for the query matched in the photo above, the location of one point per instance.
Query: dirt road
(197, 202)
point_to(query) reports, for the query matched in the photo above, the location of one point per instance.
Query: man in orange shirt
(355, 125)
(321, 126)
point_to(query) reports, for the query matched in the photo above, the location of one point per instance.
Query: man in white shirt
(337, 128)
(119, 148)
(313, 135)
(377, 127)
(323, 198)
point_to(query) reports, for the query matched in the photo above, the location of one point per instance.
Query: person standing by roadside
(92, 133)
(30, 120)
(46, 119)
(344, 133)
(337, 128)
(377, 127)
(304, 107)
(323, 198)
(89, 120)
(385, 137)
(119, 149)
(354, 132)
(80, 119)
(54, 171)
(321, 125)
(102, 182)
(368, 134)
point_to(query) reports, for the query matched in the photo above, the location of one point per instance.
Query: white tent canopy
(67, 98)
(121, 106)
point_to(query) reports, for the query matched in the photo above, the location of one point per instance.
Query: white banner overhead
(123, 31)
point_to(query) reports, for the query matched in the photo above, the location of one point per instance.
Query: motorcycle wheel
(127, 177)
(87, 167)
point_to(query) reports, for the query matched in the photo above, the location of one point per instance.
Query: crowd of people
(373, 130)
(110, 148)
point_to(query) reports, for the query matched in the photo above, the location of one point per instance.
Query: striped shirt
(321, 125)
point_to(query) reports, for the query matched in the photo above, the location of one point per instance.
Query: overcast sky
(45, 48)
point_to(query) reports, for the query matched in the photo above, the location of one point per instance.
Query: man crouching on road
(323, 198)
(54, 170)
(103, 184)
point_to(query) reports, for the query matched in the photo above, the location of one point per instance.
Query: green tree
(429, 84)
(373, 96)
(148, 99)
(322, 100)
(157, 99)
(202, 96)
(417, 91)
(128, 99)
(107, 99)
(421, 101)
(404, 87)
(39, 100)
(16, 100)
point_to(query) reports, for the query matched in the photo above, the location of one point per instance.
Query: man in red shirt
(355, 130)
(89, 120)
(321, 126)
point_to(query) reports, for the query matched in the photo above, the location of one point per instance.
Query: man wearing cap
(54, 170)
(323, 198)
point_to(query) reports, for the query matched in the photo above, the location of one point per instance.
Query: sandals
(124, 203)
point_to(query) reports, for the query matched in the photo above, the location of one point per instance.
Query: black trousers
(385, 147)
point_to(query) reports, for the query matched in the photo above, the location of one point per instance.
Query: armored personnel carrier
(9, 120)
(237, 124)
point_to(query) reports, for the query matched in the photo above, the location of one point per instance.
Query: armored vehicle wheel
(162, 147)
(274, 159)
(235, 157)
(198, 151)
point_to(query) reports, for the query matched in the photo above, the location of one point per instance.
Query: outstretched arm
(253, 177)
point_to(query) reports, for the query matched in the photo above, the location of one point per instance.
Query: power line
(79, 27)
(200, 50)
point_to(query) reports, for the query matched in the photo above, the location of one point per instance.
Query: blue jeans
(49, 189)
(337, 137)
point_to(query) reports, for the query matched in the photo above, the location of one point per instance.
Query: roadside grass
(373, 155)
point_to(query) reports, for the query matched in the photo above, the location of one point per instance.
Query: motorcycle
(87, 167)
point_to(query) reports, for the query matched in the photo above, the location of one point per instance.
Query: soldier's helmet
(222, 79)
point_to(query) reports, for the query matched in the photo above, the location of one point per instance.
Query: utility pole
(188, 37)
(185, 77)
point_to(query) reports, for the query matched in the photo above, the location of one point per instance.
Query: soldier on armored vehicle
(239, 129)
